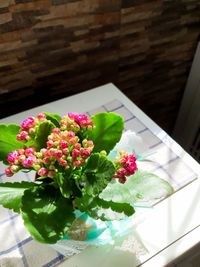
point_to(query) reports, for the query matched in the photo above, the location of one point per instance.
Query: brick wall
(54, 48)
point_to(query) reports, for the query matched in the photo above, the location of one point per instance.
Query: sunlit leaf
(142, 186)
(54, 118)
(98, 173)
(8, 142)
(107, 132)
(42, 133)
(11, 194)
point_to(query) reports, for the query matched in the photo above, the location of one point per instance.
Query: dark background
(55, 48)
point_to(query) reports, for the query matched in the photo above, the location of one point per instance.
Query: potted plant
(81, 172)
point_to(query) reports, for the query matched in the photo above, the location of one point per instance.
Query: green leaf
(108, 131)
(104, 210)
(98, 173)
(8, 141)
(46, 214)
(43, 131)
(54, 118)
(64, 185)
(142, 186)
(11, 194)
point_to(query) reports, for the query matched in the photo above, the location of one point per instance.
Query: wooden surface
(54, 48)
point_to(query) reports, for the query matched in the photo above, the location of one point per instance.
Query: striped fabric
(17, 247)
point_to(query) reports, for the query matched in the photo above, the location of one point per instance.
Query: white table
(169, 230)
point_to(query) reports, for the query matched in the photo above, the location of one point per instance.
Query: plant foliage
(73, 171)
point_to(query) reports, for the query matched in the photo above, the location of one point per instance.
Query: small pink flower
(88, 143)
(75, 153)
(42, 172)
(132, 157)
(65, 151)
(46, 160)
(77, 146)
(29, 151)
(8, 172)
(43, 151)
(85, 152)
(12, 156)
(76, 139)
(56, 130)
(28, 162)
(22, 136)
(70, 134)
(28, 123)
(121, 172)
(63, 162)
(72, 141)
(31, 131)
(50, 143)
(72, 115)
(50, 137)
(58, 154)
(41, 117)
(21, 151)
(63, 144)
(80, 119)
(55, 137)
(126, 165)
(77, 163)
(64, 134)
(74, 127)
(14, 168)
(131, 169)
(21, 158)
(83, 123)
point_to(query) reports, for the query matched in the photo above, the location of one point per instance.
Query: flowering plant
(76, 169)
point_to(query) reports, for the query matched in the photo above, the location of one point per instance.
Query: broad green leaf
(54, 118)
(11, 194)
(98, 173)
(104, 210)
(42, 133)
(142, 186)
(108, 131)
(46, 213)
(8, 141)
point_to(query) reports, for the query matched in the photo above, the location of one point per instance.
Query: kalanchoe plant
(71, 159)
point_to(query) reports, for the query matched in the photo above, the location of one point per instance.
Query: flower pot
(86, 231)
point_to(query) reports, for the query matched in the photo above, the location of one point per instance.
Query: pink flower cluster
(125, 165)
(21, 158)
(29, 126)
(71, 122)
(75, 121)
(63, 148)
